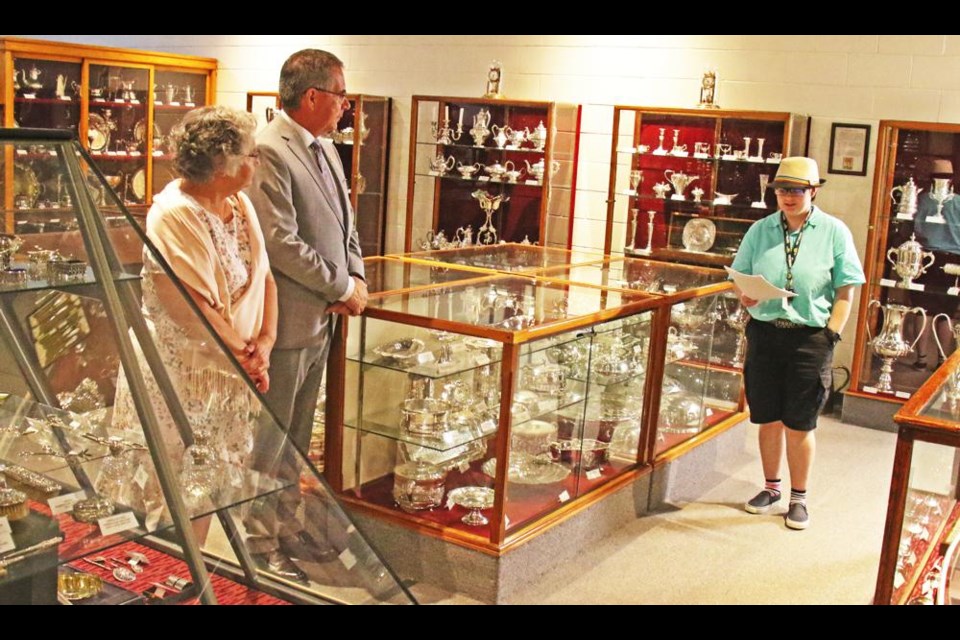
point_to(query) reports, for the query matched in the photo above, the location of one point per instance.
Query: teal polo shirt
(826, 261)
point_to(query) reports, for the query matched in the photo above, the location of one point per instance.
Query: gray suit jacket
(312, 249)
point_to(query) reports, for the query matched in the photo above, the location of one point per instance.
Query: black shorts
(787, 374)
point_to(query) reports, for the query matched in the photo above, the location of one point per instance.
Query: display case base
(871, 412)
(686, 478)
(494, 577)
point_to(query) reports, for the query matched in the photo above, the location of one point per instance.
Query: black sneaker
(762, 502)
(797, 516)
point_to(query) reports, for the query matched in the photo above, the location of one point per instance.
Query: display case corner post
(334, 408)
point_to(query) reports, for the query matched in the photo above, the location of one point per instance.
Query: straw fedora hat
(797, 171)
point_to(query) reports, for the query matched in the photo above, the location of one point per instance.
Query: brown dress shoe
(278, 563)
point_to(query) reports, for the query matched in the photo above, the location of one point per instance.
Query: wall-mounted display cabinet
(909, 305)
(686, 184)
(479, 402)
(133, 450)
(486, 170)
(121, 104)
(362, 140)
(920, 554)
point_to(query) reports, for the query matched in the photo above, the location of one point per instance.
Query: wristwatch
(832, 335)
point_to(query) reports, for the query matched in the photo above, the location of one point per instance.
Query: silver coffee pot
(908, 198)
(908, 261)
(889, 343)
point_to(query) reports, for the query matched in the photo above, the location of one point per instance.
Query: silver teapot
(496, 170)
(909, 262)
(539, 168)
(908, 198)
(538, 137)
(516, 136)
(441, 165)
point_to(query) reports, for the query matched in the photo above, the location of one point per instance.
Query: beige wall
(859, 79)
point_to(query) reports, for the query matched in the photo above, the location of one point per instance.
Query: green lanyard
(790, 251)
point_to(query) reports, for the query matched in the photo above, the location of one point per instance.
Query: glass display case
(686, 184)
(362, 140)
(609, 365)
(486, 170)
(909, 304)
(133, 448)
(919, 555)
(121, 103)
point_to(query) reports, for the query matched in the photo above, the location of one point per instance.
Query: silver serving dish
(699, 235)
(680, 413)
(547, 378)
(425, 417)
(475, 499)
(402, 352)
(585, 454)
(67, 269)
(526, 469)
(625, 440)
(532, 437)
(418, 486)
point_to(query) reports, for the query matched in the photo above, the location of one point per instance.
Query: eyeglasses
(794, 191)
(340, 94)
(255, 154)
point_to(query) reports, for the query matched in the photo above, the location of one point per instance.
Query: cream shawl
(175, 227)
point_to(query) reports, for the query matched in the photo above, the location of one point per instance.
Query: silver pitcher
(889, 343)
(953, 381)
(737, 320)
(908, 198)
(909, 262)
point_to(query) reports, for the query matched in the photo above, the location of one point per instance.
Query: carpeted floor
(712, 552)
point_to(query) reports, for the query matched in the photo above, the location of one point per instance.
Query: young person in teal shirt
(790, 341)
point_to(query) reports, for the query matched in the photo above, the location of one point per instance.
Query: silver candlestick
(649, 248)
(446, 135)
(631, 231)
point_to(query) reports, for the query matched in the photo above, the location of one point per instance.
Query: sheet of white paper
(757, 287)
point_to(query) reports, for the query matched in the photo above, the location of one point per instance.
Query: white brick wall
(861, 78)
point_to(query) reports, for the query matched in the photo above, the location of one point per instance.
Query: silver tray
(400, 350)
(524, 469)
(98, 132)
(139, 184)
(472, 497)
(699, 234)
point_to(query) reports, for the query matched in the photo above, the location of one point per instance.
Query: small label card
(953, 291)
(564, 496)
(348, 559)
(902, 394)
(63, 504)
(887, 282)
(483, 179)
(425, 357)
(533, 183)
(867, 389)
(117, 523)
(433, 173)
(141, 476)
(905, 216)
(594, 474)
(6, 542)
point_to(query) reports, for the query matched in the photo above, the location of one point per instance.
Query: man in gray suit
(300, 194)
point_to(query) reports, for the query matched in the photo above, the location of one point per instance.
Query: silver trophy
(941, 193)
(631, 230)
(678, 149)
(761, 203)
(738, 320)
(908, 261)
(636, 179)
(953, 381)
(889, 343)
(680, 181)
(907, 206)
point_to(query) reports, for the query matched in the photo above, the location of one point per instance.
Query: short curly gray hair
(211, 139)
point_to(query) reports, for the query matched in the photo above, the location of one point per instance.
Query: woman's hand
(258, 350)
